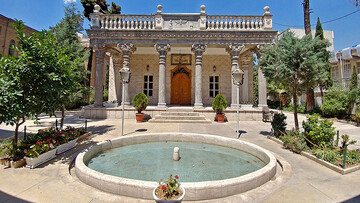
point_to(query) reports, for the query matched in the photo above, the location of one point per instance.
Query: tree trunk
(62, 117)
(307, 25)
(294, 96)
(310, 99)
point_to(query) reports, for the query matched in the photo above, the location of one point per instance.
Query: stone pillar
(162, 49)
(261, 83)
(99, 83)
(114, 78)
(198, 49)
(234, 51)
(127, 50)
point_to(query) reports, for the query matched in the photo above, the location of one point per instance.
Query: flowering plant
(38, 148)
(170, 189)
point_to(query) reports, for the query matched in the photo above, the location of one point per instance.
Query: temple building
(176, 59)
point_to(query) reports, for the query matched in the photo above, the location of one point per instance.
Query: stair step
(178, 121)
(180, 114)
(180, 109)
(179, 117)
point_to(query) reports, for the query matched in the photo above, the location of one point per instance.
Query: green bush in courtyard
(279, 124)
(318, 132)
(140, 102)
(293, 141)
(336, 102)
(219, 103)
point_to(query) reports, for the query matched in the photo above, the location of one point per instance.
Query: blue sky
(40, 14)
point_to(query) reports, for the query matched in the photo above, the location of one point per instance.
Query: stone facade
(203, 47)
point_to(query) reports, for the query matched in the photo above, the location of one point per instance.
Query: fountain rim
(195, 190)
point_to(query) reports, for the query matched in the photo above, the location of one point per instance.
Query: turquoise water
(153, 161)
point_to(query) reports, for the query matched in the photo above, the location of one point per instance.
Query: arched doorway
(181, 86)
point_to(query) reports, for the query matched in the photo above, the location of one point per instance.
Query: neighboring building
(328, 34)
(342, 63)
(179, 59)
(8, 36)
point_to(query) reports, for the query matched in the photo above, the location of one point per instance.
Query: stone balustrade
(222, 22)
(127, 22)
(199, 21)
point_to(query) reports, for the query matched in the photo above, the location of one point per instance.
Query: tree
(323, 82)
(90, 4)
(30, 82)
(292, 62)
(353, 80)
(66, 36)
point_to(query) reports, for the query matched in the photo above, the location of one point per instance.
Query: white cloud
(69, 1)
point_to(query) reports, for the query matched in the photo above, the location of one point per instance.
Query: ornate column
(198, 49)
(261, 82)
(234, 51)
(127, 50)
(162, 49)
(114, 78)
(99, 82)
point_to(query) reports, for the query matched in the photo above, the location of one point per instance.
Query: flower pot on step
(220, 117)
(139, 117)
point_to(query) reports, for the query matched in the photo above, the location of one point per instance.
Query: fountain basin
(195, 190)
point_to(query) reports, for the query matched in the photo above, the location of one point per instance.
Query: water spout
(176, 154)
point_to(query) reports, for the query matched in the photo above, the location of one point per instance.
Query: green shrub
(300, 108)
(293, 141)
(219, 103)
(336, 102)
(318, 132)
(327, 155)
(6, 150)
(279, 124)
(352, 157)
(140, 102)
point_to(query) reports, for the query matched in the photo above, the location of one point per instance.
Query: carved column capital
(98, 46)
(198, 47)
(127, 47)
(161, 48)
(235, 49)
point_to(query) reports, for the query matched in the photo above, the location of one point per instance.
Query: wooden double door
(181, 86)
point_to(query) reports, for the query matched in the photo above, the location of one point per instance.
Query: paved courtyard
(54, 181)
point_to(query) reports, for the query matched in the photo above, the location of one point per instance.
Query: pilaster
(198, 49)
(261, 82)
(99, 82)
(162, 49)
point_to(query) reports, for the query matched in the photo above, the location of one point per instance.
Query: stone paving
(54, 181)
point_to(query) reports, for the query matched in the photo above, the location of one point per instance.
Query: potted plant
(66, 139)
(169, 191)
(140, 102)
(218, 105)
(39, 153)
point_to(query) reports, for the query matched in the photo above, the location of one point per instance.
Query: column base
(161, 105)
(198, 106)
(234, 106)
(98, 104)
(262, 105)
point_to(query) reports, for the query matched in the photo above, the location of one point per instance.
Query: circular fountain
(209, 167)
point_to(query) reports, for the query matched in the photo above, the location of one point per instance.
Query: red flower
(37, 142)
(25, 151)
(163, 187)
(176, 177)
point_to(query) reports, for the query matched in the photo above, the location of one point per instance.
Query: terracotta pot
(139, 117)
(220, 117)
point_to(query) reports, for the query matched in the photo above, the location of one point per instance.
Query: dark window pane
(145, 78)
(216, 78)
(150, 86)
(150, 78)
(216, 93)
(211, 86)
(211, 94)
(150, 93)
(211, 79)
(145, 92)
(145, 85)
(216, 86)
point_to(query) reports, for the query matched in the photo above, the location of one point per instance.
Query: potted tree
(140, 102)
(218, 105)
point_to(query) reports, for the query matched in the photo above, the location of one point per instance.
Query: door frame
(180, 69)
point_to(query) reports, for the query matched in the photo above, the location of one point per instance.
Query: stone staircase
(179, 116)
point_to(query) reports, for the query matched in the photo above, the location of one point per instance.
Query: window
(335, 72)
(213, 86)
(148, 85)
(347, 69)
(11, 49)
(358, 67)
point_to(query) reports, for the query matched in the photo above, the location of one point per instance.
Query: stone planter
(64, 147)
(83, 137)
(42, 158)
(172, 201)
(18, 164)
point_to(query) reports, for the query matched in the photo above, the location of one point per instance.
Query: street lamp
(125, 78)
(238, 79)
